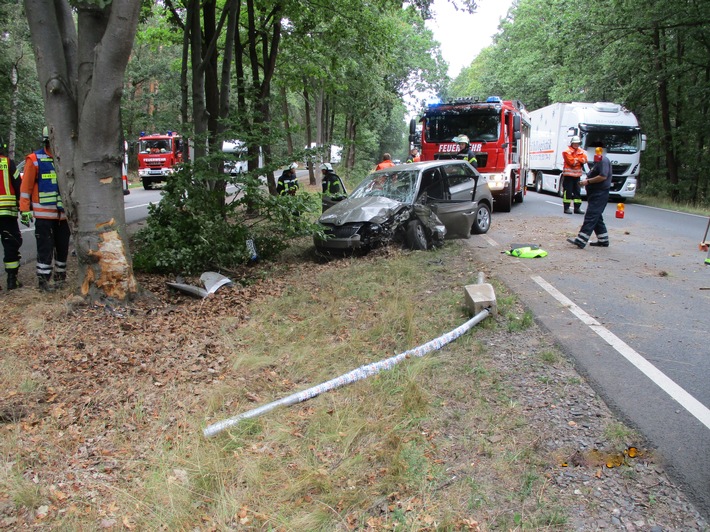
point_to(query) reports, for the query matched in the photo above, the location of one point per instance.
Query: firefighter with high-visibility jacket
(9, 229)
(40, 198)
(287, 184)
(465, 152)
(574, 159)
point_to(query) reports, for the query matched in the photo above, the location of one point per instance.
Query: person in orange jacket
(386, 162)
(574, 160)
(9, 230)
(40, 198)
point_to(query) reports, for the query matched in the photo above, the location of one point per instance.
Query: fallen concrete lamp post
(480, 299)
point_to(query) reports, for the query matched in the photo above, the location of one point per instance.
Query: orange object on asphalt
(619, 210)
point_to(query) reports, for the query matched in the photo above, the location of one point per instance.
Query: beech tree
(81, 79)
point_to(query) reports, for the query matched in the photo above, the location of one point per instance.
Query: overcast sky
(463, 36)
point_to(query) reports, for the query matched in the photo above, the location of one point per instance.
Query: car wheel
(416, 238)
(483, 220)
(538, 183)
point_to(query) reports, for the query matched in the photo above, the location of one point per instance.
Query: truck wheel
(520, 196)
(147, 184)
(504, 202)
(538, 182)
(416, 238)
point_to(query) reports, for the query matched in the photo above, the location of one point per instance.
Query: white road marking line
(687, 401)
(490, 241)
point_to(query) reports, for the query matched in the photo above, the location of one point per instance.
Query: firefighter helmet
(462, 139)
(45, 133)
(293, 166)
(575, 140)
(326, 167)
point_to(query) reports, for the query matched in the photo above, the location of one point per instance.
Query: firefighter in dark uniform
(598, 183)
(330, 181)
(465, 151)
(9, 229)
(288, 182)
(40, 198)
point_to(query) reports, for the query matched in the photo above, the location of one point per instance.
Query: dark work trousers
(593, 219)
(11, 241)
(571, 188)
(52, 243)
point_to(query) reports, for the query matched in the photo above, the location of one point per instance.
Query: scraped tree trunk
(82, 81)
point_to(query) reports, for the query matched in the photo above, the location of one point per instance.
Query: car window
(433, 185)
(462, 181)
(458, 174)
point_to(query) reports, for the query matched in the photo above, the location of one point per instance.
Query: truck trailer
(610, 123)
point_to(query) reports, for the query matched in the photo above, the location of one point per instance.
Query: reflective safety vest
(8, 199)
(40, 191)
(47, 181)
(527, 252)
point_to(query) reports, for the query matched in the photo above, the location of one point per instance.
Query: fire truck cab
(499, 134)
(158, 155)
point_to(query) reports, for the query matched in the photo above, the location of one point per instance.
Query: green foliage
(652, 58)
(192, 230)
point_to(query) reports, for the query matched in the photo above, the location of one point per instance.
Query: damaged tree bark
(82, 82)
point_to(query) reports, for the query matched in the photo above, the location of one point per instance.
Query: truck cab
(158, 156)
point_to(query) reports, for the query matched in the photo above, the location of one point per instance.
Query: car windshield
(396, 185)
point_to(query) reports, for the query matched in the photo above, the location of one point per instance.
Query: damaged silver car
(416, 205)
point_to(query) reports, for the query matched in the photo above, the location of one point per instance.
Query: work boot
(566, 206)
(12, 282)
(578, 208)
(44, 284)
(59, 279)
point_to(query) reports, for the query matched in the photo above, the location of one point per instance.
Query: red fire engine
(499, 134)
(158, 154)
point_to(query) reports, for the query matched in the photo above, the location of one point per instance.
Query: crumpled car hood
(356, 210)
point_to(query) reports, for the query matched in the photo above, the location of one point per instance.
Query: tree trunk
(287, 123)
(309, 131)
(82, 81)
(667, 131)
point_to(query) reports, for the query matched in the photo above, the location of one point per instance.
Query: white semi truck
(610, 123)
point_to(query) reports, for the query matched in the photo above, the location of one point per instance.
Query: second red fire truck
(499, 134)
(158, 155)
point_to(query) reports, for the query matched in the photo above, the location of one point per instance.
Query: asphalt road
(635, 317)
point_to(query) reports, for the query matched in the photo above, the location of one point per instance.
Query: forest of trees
(285, 74)
(651, 57)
